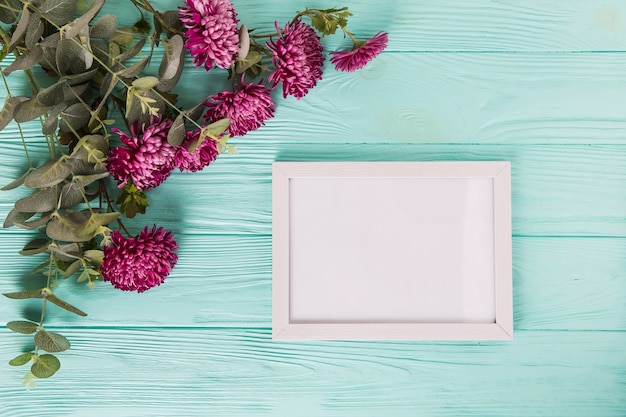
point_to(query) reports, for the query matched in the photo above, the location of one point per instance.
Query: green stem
(145, 5)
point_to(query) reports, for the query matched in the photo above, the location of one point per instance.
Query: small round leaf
(45, 366)
(51, 342)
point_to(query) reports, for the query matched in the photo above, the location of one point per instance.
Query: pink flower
(361, 54)
(247, 108)
(147, 160)
(211, 31)
(297, 58)
(201, 157)
(139, 263)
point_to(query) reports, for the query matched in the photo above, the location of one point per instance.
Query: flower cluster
(84, 234)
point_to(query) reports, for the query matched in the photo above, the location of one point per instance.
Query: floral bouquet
(114, 131)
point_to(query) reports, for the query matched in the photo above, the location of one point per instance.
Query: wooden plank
(244, 373)
(225, 281)
(442, 98)
(451, 25)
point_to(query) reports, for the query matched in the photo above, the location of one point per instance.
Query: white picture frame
(392, 251)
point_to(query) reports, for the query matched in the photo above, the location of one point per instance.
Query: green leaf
(132, 51)
(23, 327)
(74, 117)
(45, 366)
(105, 26)
(59, 12)
(69, 57)
(22, 359)
(145, 83)
(6, 115)
(64, 305)
(66, 228)
(80, 78)
(172, 58)
(23, 295)
(35, 246)
(72, 268)
(135, 69)
(85, 180)
(39, 202)
(20, 29)
(132, 201)
(16, 216)
(25, 61)
(74, 28)
(50, 125)
(17, 182)
(71, 194)
(94, 256)
(176, 135)
(9, 10)
(51, 342)
(52, 95)
(215, 129)
(254, 57)
(34, 224)
(51, 173)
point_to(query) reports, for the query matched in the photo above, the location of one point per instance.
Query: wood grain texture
(225, 281)
(201, 372)
(452, 25)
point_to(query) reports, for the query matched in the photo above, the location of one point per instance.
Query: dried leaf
(51, 173)
(244, 42)
(39, 202)
(105, 26)
(23, 327)
(51, 342)
(59, 12)
(65, 305)
(176, 135)
(171, 57)
(45, 366)
(25, 61)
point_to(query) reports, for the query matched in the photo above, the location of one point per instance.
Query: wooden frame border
(282, 328)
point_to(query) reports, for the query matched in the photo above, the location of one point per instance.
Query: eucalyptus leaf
(28, 110)
(24, 295)
(34, 31)
(172, 18)
(215, 129)
(6, 115)
(176, 134)
(72, 268)
(51, 342)
(135, 69)
(51, 96)
(64, 228)
(171, 57)
(74, 117)
(34, 224)
(81, 78)
(67, 252)
(51, 41)
(45, 366)
(59, 12)
(16, 216)
(132, 51)
(9, 10)
(94, 256)
(105, 26)
(69, 57)
(25, 61)
(50, 125)
(65, 305)
(50, 173)
(35, 246)
(16, 183)
(244, 42)
(40, 201)
(253, 57)
(196, 111)
(74, 28)
(22, 359)
(23, 327)
(71, 195)
(85, 180)
(20, 29)
(72, 93)
(144, 84)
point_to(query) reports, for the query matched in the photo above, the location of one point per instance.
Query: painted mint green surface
(540, 83)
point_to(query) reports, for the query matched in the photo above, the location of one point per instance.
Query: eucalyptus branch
(145, 5)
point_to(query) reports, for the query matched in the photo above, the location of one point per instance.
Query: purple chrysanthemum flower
(298, 59)
(201, 157)
(211, 32)
(147, 160)
(247, 108)
(361, 54)
(139, 263)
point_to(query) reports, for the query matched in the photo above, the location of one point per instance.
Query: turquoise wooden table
(541, 83)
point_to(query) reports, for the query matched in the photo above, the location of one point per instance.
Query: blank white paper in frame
(392, 250)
